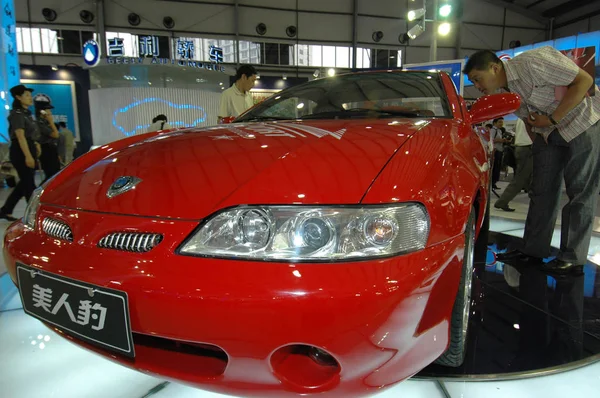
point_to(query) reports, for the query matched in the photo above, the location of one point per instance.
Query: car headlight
(32, 208)
(311, 233)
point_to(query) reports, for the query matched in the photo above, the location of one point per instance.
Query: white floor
(35, 362)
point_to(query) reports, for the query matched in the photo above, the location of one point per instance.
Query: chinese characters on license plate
(42, 298)
(94, 314)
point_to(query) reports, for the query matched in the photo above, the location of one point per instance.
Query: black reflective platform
(525, 322)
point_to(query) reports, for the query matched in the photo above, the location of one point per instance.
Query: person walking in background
(66, 144)
(160, 122)
(523, 171)
(23, 150)
(48, 140)
(237, 98)
(498, 140)
(563, 123)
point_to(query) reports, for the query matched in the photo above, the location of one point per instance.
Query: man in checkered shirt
(562, 120)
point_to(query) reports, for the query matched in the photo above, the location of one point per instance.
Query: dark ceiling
(554, 9)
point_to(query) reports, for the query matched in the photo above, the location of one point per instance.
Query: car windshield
(376, 94)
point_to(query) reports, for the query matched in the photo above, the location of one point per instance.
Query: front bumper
(382, 320)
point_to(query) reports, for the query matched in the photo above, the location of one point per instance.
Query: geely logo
(122, 185)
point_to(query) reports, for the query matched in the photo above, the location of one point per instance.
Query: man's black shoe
(505, 208)
(495, 186)
(7, 216)
(515, 257)
(557, 266)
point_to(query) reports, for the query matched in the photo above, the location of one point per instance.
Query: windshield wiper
(393, 112)
(263, 118)
(361, 112)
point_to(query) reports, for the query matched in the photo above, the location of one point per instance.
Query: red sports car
(321, 243)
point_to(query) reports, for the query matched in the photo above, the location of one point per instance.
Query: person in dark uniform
(23, 148)
(48, 139)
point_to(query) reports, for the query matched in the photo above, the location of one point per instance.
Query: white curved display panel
(122, 112)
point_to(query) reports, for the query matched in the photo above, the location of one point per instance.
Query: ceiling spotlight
(316, 73)
(257, 77)
(445, 10)
(54, 67)
(284, 77)
(331, 72)
(134, 19)
(444, 29)
(49, 14)
(514, 44)
(415, 31)
(377, 36)
(86, 16)
(261, 29)
(403, 38)
(291, 31)
(415, 14)
(168, 22)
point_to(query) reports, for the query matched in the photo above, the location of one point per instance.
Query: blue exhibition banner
(582, 40)
(9, 63)
(453, 68)
(61, 95)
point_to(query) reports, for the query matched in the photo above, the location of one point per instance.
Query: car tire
(454, 355)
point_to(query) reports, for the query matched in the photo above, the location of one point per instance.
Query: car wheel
(455, 354)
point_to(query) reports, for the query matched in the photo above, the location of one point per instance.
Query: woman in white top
(159, 123)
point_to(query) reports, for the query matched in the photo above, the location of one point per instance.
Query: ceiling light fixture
(168, 22)
(377, 36)
(261, 29)
(134, 19)
(444, 29)
(415, 14)
(49, 14)
(415, 31)
(86, 16)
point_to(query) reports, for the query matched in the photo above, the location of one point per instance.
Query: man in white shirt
(524, 159)
(237, 98)
(498, 140)
(66, 143)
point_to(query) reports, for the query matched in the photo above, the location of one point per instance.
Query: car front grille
(57, 229)
(130, 242)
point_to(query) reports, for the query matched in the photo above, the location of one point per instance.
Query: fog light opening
(321, 357)
(305, 368)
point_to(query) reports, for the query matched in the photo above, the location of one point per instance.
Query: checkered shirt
(534, 75)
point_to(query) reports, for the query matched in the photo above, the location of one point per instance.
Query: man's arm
(549, 67)
(575, 93)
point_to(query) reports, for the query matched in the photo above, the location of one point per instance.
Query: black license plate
(96, 315)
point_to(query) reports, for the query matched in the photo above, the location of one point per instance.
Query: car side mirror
(493, 106)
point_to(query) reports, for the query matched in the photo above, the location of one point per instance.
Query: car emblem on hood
(122, 185)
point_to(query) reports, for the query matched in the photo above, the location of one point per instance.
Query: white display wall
(122, 112)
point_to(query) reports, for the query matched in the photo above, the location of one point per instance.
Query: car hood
(190, 174)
